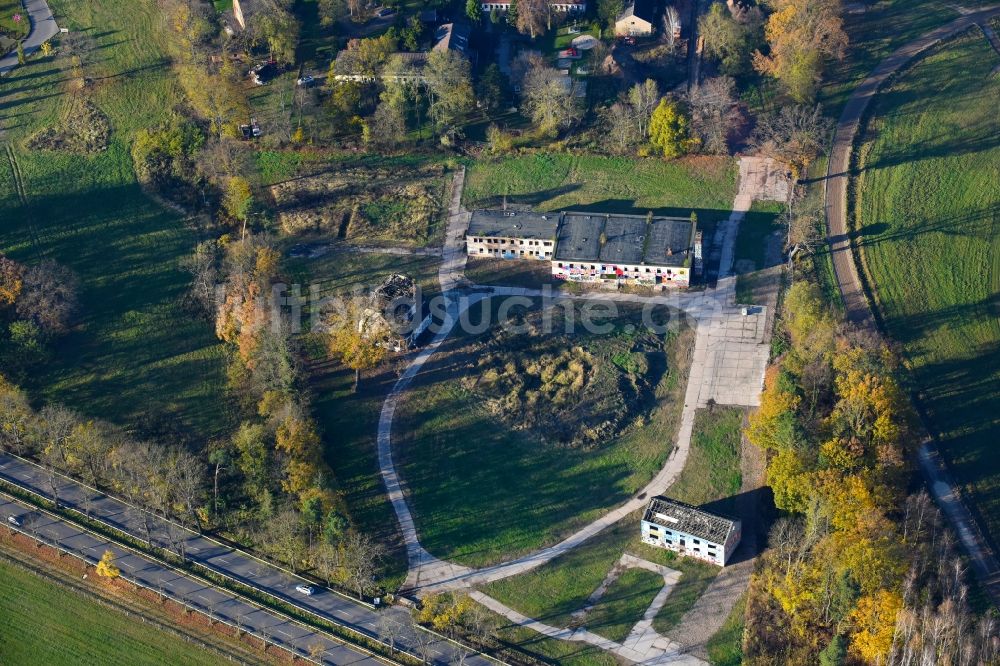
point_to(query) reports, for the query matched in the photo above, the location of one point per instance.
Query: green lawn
(712, 470)
(625, 600)
(560, 181)
(46, 624)
(926, 218)
(483, 492)
(725, 648)
(137, 357)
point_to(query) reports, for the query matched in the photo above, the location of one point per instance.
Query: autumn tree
(238, 199)
(550, 98)
(874, 620)
(449, 85)
(712, 105)
(11, 280)
(669, 129)
(531, 17)
(361, 557)
(801, 36)
(729, 40)
(355, 337)
(793, 135)
(106, 567)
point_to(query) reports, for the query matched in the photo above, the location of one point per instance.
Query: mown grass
(349, 420)
(137, 357)
(482, 492)
(47, 624)
(560, 181)
(926, 221)
(626, 599)
(554, 591)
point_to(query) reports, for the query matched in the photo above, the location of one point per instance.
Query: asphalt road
(148, 572)
(43, 28)
(222, 559)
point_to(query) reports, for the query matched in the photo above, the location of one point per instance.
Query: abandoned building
(690, 531)
(593, 247)
(390, 312)
(508, 234)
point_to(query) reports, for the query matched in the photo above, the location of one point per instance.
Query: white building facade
(690, 531)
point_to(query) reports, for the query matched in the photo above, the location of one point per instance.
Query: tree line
(859, 571)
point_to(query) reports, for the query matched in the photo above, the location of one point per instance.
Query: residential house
(509, 234)
(453, 37)
(690, 531)
(637, 19)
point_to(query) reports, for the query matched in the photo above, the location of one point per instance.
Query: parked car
(15, 521)
(306, 81)
(307, 590)
(384, 12)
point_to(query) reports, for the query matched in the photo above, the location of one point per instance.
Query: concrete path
(43, 28)
(639, 653)
(855, 302)
(730, 357)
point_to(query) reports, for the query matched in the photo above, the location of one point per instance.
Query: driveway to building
(222, 559)
(43, 28)
(218, 604)
(856, 307)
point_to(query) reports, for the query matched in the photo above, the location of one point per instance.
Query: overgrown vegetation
(461, 462)
(83, 128)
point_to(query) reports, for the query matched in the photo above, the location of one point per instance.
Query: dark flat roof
(669, 240)
(513, 224)
(580, 237)
(624, 238)
(679, 516)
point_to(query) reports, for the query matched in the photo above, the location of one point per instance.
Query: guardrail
(207, 612)
(391, 649)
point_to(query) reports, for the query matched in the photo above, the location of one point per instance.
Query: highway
(222, 559)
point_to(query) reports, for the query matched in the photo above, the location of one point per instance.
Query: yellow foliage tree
(801, 34)
(106, 567)
(874, 620)
(11, 280)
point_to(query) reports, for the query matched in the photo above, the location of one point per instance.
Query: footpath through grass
(483, 490)
(47, 624)
(926, 220)
(553, 592)
(137, 358)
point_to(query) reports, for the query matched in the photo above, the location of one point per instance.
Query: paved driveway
(43, 28)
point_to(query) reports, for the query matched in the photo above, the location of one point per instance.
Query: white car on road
(307, 590)
(15, 521)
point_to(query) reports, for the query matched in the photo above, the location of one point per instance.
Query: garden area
(925, 219)
(494, 470)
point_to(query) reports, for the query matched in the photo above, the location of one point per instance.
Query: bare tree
(712, 105)
(49, 296)
(794, 135)
(186, 478)
(388, 629)
(671, 25)
(550, 99)
(362, 557)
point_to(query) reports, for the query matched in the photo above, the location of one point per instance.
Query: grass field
(48, 624)
(871, 41)
(558, 181)
(137, 357)
(483, 491)
(926, 220)
(725, 648)
(712, 470)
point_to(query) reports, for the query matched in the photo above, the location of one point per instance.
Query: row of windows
(510, 241)
(606, 268)
(520, 253)
(504, 6)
